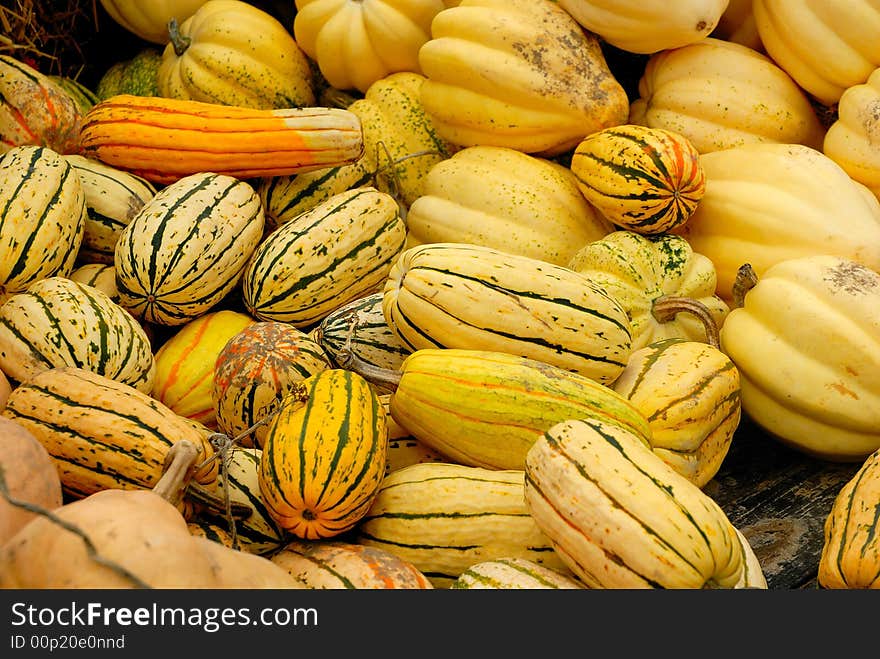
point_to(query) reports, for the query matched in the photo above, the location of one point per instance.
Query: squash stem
(744, 282)
(348, 360)
(665, 308)
(179, 41)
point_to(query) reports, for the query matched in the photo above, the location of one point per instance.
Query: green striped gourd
(187, 247)
(456, 295)
(338, 565)
(620, 517)
(100, 275)
(333, 253)
(647, 180)
(513, 573)
(254, 371)
(445, 517)
(137, 75)
(324, 455)
(60, 322)
(42, 217)
(370, 339)
(113, 197)
(486, 409)
(84, 97)
(665, 287)
(103, 433)
(753, 571)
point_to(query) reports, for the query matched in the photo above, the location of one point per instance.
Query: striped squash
(254, 371)
(370, 339)
(324, 455)
(60, 322)
(99, 275)
(620, 517)
(486, 409)
(444, 517)
(334, 253)
(84, 97)
(42, 217)
(102, 433)
(689, 392)
(642, 179)
(185, 363)
(457, 295)
(166, 139)
(187, 247)
(404, 449)
(112, 197)
(338, 565)
(513, 573)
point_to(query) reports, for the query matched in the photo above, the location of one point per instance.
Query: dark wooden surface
(778, 498)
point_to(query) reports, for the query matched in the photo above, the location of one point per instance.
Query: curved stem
(744, 282)
(179, 41)
(667, 307)
(347, 359)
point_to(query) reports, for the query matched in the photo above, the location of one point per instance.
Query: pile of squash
(419, 296)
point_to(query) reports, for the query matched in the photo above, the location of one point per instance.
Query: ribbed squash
(658, 280)
(737, 24)
(502, 198)
(646, 26)
(187, 248)
(827, 47)
(149, 20)
(340, 565)
(332, 254)
(185, 363)
(42, 217)
(689, 392)
(485, 409)
(513, 573)
(137, 75)
(458, 295)
(165, 139)
(647, 180)
(357, 43)
(443, 517)
(100, 275)
(850, 555)
(818, 315)
(112, 197)
(34, 110)
(719, 94)
(620, 517)
(60, 322)
(258, 64)
(494, 79)
(765, 203)
(400, 147)
(324, 455)
(102, 433)
(255, 370)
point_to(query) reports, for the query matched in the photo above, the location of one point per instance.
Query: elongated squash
(164, 139)
(513, 573)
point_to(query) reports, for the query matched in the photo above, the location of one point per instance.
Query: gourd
(258, 64)
(505, 199)
(187, 247)
(137, 75)
(34, 110)
(403, 448)
(637, 26)
(720, 94)
(620, 517)
(642, 179)
(323, 455)
(825, 50)
(149, 20)
(42, 217)
(84, 97)
(851, 139)
(165, 139)
(28, 475)
(768, 202)
(139, 536)
(459, 295)
(820, 316)
(666, 288)
(356, 43)
(327, 256)
(57, 321)
(493, 79)
(101, 276)
(254, 371)
(185, 363)
(513, 573)
(737, 24)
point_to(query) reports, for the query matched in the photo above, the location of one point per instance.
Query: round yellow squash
(148, 19)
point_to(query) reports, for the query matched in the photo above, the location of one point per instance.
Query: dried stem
(667, 307)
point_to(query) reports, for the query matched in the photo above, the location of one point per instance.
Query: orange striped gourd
(164, 139)
(324, 455)
(646, 180)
